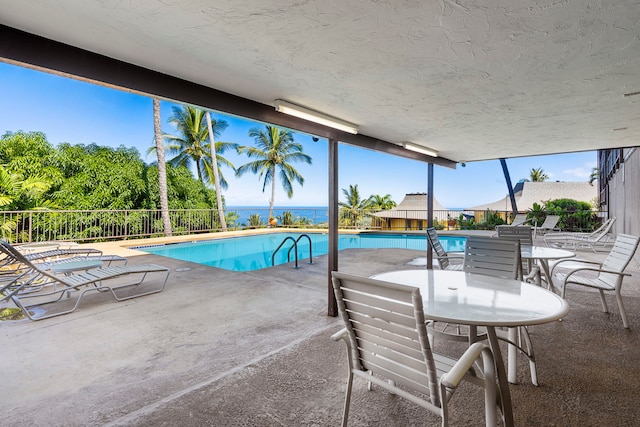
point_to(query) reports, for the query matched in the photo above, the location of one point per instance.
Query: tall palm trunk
(216, 173)
(162, 168)
(273, 194)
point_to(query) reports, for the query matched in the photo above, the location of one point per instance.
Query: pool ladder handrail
(295, 246)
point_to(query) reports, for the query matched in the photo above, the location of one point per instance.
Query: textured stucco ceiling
(472, 79)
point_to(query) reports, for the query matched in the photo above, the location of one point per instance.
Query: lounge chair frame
(32, 286)
(600, 238)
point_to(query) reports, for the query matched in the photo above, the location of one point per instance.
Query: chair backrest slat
(434, 241)
(622, 252)
(550, 222)
(522, 234)
(519, 219)
(492, 257)
(607, 224)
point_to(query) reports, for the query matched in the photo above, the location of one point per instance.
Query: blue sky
(76, 112)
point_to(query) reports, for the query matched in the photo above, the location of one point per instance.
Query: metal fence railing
(100, 225)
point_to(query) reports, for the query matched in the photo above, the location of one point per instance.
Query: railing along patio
(101, 225)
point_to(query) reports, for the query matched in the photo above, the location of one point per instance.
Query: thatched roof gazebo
(411, 213)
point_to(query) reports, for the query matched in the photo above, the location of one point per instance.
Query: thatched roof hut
(528, 193)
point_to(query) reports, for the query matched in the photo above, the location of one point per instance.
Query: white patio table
(477, 300)
(543, 255)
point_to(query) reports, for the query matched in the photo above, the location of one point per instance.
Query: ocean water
(317, 214)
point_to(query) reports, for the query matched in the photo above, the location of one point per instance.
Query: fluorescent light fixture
(314, 116)
(420, 149)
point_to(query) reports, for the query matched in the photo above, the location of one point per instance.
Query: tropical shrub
(286, 219)
(537, 214)
(255, 220)
(574, 214)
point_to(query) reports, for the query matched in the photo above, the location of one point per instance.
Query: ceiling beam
(37, 52)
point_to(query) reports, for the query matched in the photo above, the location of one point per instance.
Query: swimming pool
(247, 253)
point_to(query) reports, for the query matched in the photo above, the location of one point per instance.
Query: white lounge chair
(33, 286)
(550, 224)
(519, 219)
(597, 239)
(387, 345)
(609, 274)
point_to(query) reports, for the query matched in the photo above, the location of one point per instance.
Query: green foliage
(29, 154)
(574, 214)
(231, 218)
(184, 192)
(17, 193)
(255, 220)
(286, 219)
(97, 177)
(37, 175)
(378, 202)
(353, 209)
(490, 221)
(537, 214)
(593, 176)
(538, 175)
(275, 152)
(466, 223)
(191, 144)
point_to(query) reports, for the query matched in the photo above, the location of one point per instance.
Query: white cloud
(582, 173)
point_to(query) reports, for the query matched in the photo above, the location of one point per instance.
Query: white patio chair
(444, 258)
(496, 258)
(387, 345)
(609, 274)
(529, 272)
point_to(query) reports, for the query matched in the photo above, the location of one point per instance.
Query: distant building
(528, 193)
(410, 214)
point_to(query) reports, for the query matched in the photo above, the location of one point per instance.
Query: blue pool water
(248, 253)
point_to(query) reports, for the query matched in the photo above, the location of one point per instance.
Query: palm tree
(351, 211)
(538, 175)
(162, 168)
(254, 220)
(275, 150)
(191, 145)
(380, 203)
(17, 193)
(594, 175)
(216, 173)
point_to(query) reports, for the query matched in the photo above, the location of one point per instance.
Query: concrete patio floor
(222, 348)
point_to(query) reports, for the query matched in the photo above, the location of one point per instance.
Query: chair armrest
(452, 255)
(574, 260)
(340, 335)
(599, 270)
(461, 368)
